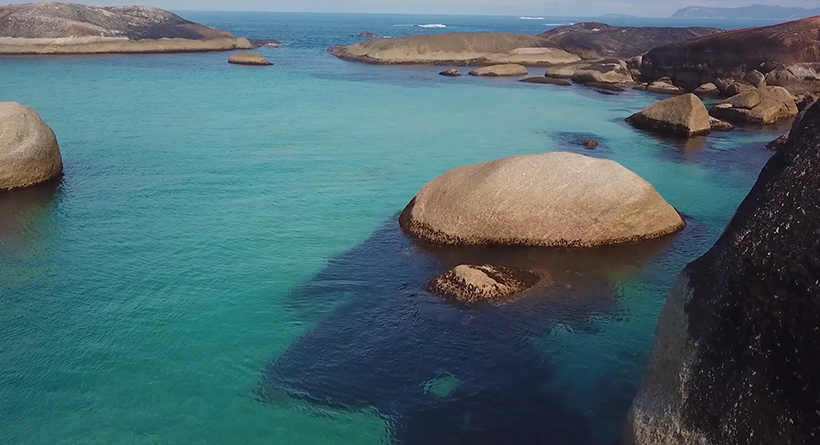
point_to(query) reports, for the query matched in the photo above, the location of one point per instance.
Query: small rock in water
(719, 125)
(591, 144)
(450, 73)
(368, 35)
(470, 284)
(547, 81)
(249, 59)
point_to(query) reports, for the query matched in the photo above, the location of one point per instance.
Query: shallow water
(222, 264)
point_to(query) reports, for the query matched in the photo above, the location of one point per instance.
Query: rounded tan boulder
(249, 59)
(555, 199)
(508, 70)
(678, 116)
(29, 153)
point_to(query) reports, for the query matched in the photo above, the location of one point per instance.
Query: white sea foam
(531, 18)
(432, 25)
(559, 24)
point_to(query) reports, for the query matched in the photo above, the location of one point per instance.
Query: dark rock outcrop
(600, 41)
(737, 355)
(68, 28)
(590, 144)
(782, 142)
(470, 284)
(787, 54)
(547, 81)
(368, 35)
(452, 72)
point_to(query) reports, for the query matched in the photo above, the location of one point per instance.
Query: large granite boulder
(611, 71)
(29, 153)
(593, 41)
(684, 116)
(506, 70)
(470, 283)
(69, 28)
(786, 54)
(556, 199)
(249, 59)
(737, 355)
(765, 105)
(457, 49)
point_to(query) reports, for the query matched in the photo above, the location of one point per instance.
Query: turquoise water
(221, 261)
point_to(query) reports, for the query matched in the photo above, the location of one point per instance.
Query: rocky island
(457, 49)
(69, 28)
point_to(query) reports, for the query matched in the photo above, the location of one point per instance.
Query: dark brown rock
(591, 144)
(452, 72)
(737, 355)
(719, 125)
(788, 54)
(368, 35)
(601, 41)
(547, 80)
(471, 284)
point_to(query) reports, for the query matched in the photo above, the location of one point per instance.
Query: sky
(591, 8)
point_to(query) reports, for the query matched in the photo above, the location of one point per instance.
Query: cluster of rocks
(548, 200)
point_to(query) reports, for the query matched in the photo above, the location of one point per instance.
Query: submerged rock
(450, 73)
(678, 116)
(506, 70)
(602, 71)
(249, 59)
(547, 80)
(590, 144)
(69, 28)
(600, 41)
(555, 199)
(736, 354)
(470, 284)
(764, 105)
(457, 49)
(29, 152)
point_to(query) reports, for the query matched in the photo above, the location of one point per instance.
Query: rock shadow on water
(24, 217)
(444, 373)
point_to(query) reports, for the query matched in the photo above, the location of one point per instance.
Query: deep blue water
(222, 263)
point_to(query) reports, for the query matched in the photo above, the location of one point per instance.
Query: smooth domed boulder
(556, 199)
(684, 116)
(765, 105)
(707, 89)
(547, 81)
(610, 71)
(29, 152)
(755, 79)
(452, 72)
(249, 59)
(470, 283)
(505, 70)
(664, 86)
(737, 355)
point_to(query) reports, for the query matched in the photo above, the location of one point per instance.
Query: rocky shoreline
(48, 28)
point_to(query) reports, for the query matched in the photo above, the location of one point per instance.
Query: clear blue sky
(503, 7)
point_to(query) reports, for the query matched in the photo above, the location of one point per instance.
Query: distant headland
(763, 12)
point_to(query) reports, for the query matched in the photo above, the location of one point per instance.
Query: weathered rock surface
(601, 71)
(249, 59)
(470, 284)
(764, 105)
(664, 86)
(783, 142)
(719, 125)
(707, 89)
(506, 70)
(593, 41)
(68, 28)
(457, 49)
(684, 116)
(29, 153)
(556, 199)
(787, 54)
(452, 72)
(736, 353)
(547, 80)
(368, 35)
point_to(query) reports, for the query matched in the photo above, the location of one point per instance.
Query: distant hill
(746, 12)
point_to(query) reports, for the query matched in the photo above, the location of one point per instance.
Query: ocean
(222, 263)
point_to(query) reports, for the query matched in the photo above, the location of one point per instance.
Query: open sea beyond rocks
(222, 262)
